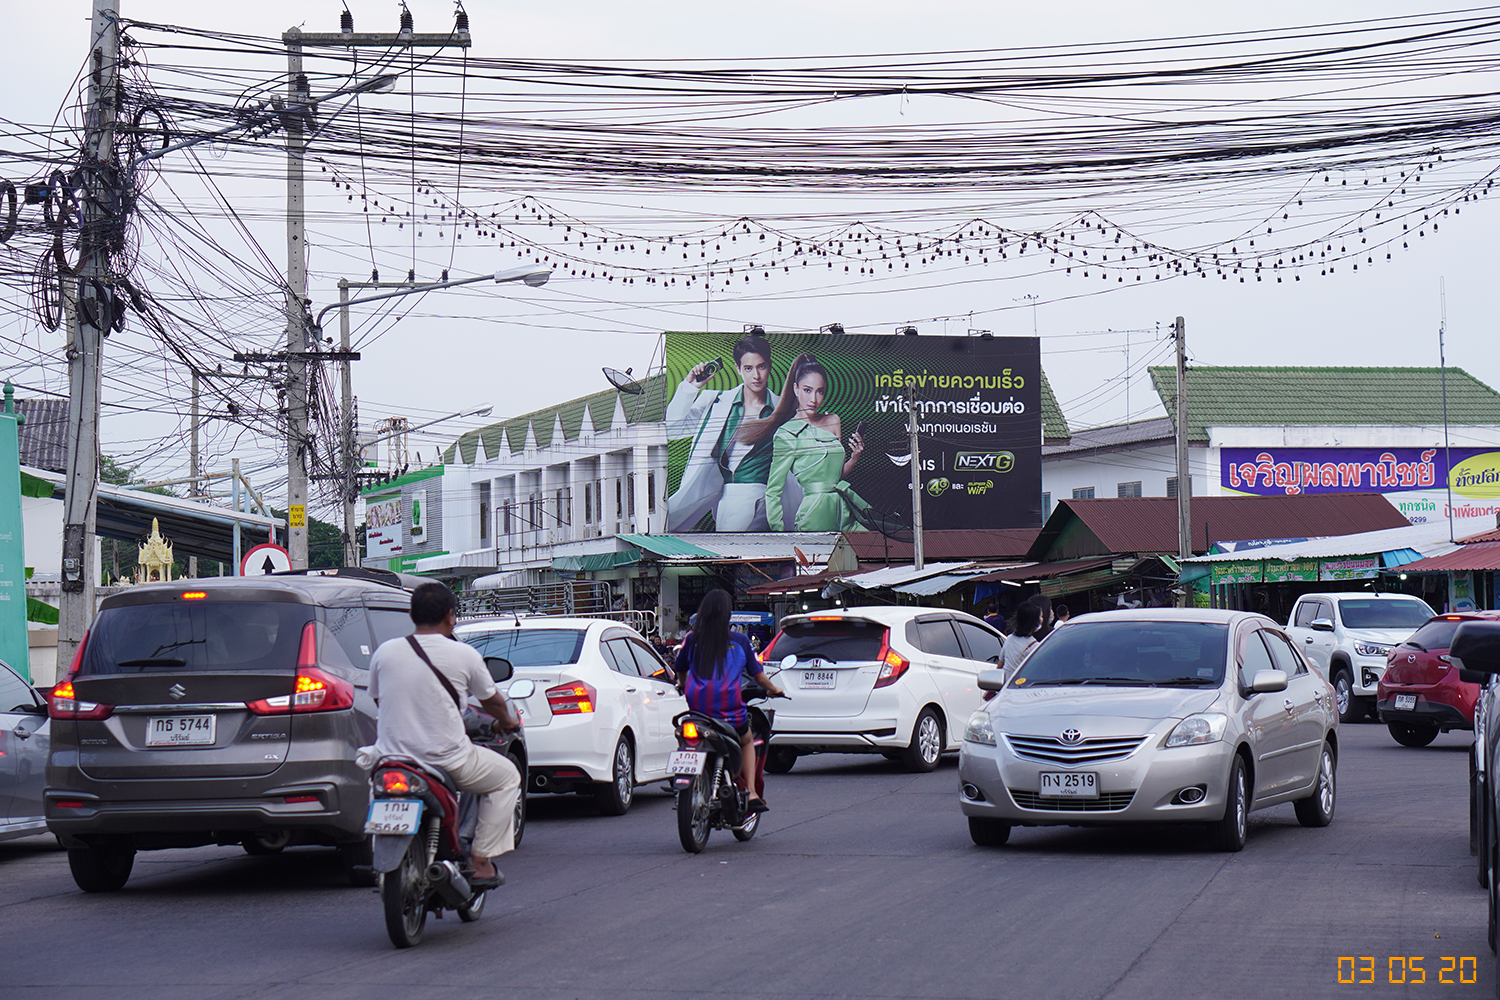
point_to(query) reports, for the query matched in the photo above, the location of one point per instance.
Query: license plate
(181, 730)
(1070, 785)
(819, 679)
(686, 762)
(1406, 702)
(394, 816)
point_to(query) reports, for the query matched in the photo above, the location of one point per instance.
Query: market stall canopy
(1403, 544)
(856, 548)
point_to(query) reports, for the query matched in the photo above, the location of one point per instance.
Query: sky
(519, 349)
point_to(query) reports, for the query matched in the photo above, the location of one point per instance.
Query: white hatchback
(896, 681)
(597, 710)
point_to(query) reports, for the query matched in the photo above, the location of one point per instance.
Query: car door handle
(1308, 640)
(21, 734)
(630, 690)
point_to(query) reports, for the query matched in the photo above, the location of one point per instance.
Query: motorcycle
(703, 771)
(423, 830)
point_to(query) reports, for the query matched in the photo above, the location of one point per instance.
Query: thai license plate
(394, 816)
(1406, 702)
(686, 762)
(181, 730)
(819, 679)
(1069, 785)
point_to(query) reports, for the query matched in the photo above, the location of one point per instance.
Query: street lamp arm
(532, 276)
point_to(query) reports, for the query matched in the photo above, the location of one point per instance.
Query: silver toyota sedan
(1162, 715)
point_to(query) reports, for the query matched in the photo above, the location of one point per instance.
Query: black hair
(431, 602)
(1060, 611)
(1028, 617)
(711, 637)
(752, 343)
(753, 432)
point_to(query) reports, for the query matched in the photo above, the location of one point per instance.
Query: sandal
(495, 881)
(757, 805)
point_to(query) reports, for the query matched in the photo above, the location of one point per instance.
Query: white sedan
(598, 711)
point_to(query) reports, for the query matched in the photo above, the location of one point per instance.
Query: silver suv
(1346, 636)
(219, 711)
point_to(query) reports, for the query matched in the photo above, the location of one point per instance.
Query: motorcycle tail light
(396, 782)
(689, 731)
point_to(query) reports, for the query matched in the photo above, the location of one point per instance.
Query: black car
(1475, 650)
(221, 711)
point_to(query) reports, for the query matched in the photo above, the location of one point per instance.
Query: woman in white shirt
(1020, 642)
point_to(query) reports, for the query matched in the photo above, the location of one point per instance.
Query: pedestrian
(1021, 641)
(1043, 605)
(1060, 616)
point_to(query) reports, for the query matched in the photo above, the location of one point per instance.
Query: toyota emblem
(1071, 736)
(177, 691)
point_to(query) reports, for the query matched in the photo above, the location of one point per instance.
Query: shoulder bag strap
(458, 702)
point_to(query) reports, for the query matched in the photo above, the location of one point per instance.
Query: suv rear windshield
(531, 647)
(202, 635)
(1383, 614)
(1436, 634)
(846, 639)
(1129, 654)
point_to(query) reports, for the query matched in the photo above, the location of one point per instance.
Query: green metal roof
(597, 561)
(1402, 397)
(1054, 424)
(392, 485)
(648, 407)
(668, 547)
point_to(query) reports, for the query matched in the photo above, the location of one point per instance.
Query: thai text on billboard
(809, 432)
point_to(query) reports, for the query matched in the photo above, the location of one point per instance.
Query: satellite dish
(624, 381)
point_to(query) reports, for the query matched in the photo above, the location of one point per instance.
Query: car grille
(1106, 802)
(1050, 750)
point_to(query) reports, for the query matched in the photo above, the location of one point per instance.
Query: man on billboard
(723, 474)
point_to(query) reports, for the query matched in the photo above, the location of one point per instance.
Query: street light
(532, 275)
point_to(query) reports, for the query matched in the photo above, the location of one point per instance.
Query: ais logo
(984, 461)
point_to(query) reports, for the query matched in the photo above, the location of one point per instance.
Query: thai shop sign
(383, 528)
(1349, 568)
(1243, 571)
(1292, 571)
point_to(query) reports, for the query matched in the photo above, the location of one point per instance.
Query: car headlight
(1371, 649)
(979, 729)
(1206, 727)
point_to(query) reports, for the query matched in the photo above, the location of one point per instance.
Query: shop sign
(1349, 568)
(1293, 571)
(1248, 571)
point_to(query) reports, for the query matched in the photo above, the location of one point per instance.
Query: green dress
(815, 458)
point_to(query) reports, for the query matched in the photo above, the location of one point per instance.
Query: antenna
(624, 381)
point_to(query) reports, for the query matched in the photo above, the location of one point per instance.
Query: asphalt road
(861, 883)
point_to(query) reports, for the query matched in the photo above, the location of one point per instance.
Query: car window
(617, 655)
(1254, 657)
(352, 632)
(839, 640)
(1375, 613)
(984, 645)
(1436, 634)
(1283, 654)
(938, 638)
(388, 623)
(1129, 654)
(15, 694)
(195, 635)
(646, 659)
(532, 647)
(1307, 611)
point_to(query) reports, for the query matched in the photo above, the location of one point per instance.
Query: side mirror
(991, 680)
(1473, 676)
(499, 668)
(1322, 624)
(788, 662)
(1266, 681)
(521, 690)
(663, 674)
(1476, 649)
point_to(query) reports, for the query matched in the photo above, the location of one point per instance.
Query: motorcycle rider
(710, 667)
(419, 717)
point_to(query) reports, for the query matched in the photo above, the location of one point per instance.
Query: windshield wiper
(1184, 682)
(1123, 681)
(154, 661)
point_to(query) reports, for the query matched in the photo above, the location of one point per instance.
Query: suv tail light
(892, 663)
(63, 702)
(572, 698)
(315, 690)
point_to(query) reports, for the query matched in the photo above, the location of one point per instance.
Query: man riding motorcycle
(420, 683)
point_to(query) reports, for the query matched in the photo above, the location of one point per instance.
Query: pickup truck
(1346, 637)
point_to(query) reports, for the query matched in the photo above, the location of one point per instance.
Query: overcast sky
(531, 348)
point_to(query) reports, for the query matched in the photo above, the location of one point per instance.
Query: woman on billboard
(808, 453)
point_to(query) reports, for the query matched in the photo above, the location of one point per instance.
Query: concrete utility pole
(80, 504)
(1184, 472)
(350, 429)
(916, 480)
(298, 329)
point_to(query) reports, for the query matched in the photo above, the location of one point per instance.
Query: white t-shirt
(1014, 651)
(417, 717)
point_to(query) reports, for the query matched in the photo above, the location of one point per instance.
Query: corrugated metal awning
(1480, 556)
(894, 576)
(668, 547)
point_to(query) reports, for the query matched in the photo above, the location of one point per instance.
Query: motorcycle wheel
(473, 909)
(404, 896)
(746, 830)
(692, 815)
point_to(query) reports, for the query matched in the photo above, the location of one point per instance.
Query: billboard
(1416, 480)
(383, 528)
(808, 432)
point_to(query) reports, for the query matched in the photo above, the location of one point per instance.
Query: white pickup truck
(1347, 636)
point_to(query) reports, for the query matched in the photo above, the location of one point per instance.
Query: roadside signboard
(265, 558)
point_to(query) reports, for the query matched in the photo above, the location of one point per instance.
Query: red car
(1420, 694)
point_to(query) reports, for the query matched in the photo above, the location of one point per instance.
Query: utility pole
(1184, 472)
(350, 428)
(80, 504)
(298, 329)
(916, 480)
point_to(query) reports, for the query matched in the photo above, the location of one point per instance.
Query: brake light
(394, 781)
(765, 654)
(572, 698)
(307, 652)
(892, 663)
(63, 703)
(825, 618)
(68, 804)
(689, 731)
(194, 595)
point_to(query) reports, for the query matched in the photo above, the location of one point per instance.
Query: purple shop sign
(1290, 471)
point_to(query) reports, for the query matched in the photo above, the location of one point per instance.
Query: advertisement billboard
(808, 432)
(383, 528)
(1416, 480)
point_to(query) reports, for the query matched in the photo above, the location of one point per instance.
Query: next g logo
(984, 461)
